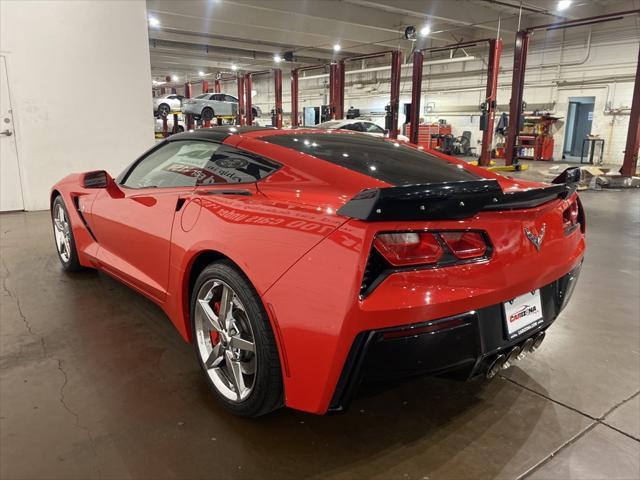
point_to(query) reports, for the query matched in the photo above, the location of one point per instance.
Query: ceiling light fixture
(277, 58)
(234, 67)
(336, 47)
(174, 78)
(201, 73)
(563, 5)
(426, 30)
(154, 22)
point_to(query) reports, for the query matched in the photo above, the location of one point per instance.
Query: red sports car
(300, 263)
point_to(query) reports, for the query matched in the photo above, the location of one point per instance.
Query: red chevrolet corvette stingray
(300, 263)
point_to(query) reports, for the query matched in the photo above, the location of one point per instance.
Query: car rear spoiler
(451, 200)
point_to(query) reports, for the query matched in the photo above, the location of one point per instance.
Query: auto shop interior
(538, 99)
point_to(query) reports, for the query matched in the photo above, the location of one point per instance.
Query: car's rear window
(389, 162)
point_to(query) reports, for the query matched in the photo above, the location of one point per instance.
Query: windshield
(330, 124)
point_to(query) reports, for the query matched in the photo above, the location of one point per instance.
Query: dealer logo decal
(524, 311)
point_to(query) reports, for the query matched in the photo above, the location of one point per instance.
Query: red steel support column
(248, 84)
(394, 102)
(205, 86)
(633, 137)
(416, 90)
(240, 119)
(340, 90)
(517, 90)
(216, 86)
(277, 85)
(491, 95)
(333, 81)
(162, 90)
(294, 98)
(188, 93)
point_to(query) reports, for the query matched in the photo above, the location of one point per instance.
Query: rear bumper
(468, 344)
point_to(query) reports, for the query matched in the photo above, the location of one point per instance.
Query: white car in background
(358, 125)
(209, 105)
(165, 104)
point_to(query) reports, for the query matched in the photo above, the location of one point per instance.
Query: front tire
(233, 341)
(63, 235)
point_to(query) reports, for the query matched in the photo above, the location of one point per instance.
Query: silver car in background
(209, 105)
(165, 104)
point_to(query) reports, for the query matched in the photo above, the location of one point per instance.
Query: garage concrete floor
(95, 383)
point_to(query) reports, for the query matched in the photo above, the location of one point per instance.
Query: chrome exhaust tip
(512, 357)
(496, 366)
(538, 340)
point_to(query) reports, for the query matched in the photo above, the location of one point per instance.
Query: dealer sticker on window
(523, 313)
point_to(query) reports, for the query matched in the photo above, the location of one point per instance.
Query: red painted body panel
(305, 261)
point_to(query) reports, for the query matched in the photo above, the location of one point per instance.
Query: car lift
(489, 105)
(391, 121)
(276, 113)
(336, 88)
(517, 89)
(295, 75)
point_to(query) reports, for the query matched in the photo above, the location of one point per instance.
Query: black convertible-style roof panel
(216, 134)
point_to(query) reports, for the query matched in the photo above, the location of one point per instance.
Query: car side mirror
(96, 179)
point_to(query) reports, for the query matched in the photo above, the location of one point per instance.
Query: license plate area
(522, 314)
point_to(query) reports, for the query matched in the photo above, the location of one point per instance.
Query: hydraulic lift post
(295, 85)
(491, 91)
(205, 86)
(394, 101)
(517, 85)
(277, 83)
(216, 85)
(490, 102)
(630, 163)
(188, 93)
(241, 117)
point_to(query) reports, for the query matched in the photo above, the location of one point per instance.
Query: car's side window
(229, 98)
(355, 127)
(218, 97)
(230, 165)
(175, 164)
(371, 127)
(188, 163)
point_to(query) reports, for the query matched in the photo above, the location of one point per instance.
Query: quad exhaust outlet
(506, 359)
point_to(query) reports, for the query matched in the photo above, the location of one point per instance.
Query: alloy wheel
(225, 340)
(62, 232)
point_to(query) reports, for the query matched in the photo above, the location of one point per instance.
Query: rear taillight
(572, 217)
(410, 248)
(394, 251)
(465, 245)
(425, 248)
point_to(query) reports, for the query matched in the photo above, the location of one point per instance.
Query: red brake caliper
(215, 336)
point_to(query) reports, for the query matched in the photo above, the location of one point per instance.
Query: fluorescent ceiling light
(201, 73)
(234, 67)
(154, 22)
(174, 78)
(277, 58)
(336, 47)
(426, 30)
(564, 4)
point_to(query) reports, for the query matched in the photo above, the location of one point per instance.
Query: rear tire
(63, 235)
(235, 345)
(163, 110)
(207, 113)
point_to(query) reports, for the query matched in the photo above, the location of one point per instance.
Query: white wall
(79, 78)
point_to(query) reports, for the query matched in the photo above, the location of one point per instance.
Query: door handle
(8, 133)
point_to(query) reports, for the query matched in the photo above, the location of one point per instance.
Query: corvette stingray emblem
(536, 239)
